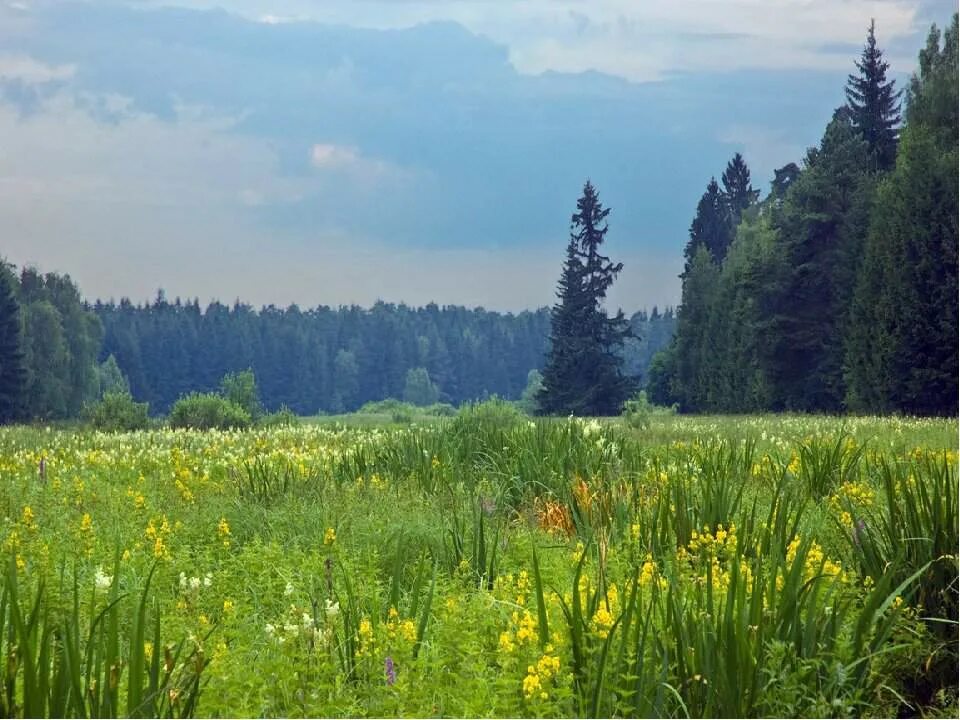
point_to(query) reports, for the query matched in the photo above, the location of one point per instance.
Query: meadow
(483, 565)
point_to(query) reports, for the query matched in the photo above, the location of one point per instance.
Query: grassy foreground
(484, 565)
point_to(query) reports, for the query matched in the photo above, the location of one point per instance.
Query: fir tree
(12, 371)
(583, 375)
(737, 188)
(710, 227)
(873, 104)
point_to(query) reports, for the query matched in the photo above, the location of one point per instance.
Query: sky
(348, 151)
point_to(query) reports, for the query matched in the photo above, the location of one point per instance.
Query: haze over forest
(343, 152)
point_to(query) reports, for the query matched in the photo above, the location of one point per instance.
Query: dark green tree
(822, 226)
(737, 189)
(710, 227)
(873, 103)
(902, 347)
(693, 356)
(12, 371)
(583, 374)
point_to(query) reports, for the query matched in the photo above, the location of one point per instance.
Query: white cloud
(33, 72)
(637, 40)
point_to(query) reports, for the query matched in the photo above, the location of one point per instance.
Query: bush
(492, 413)
(637, 411)
(284, 417)
(241, 389)
(118, 412)
(206, 411)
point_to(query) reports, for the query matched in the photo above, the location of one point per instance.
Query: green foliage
(528, 400)
(61, 340)
(74, 662)
(206, 411)
(419, 389)
(110, 378)
(637, 411)
(13, 375)
(901, 350)
(240, 388)
(117, 411)
(284, 417)
(583, 374)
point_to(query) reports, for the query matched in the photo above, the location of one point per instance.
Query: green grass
(495, 565)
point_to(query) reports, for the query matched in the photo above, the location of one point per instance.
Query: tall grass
(62, 662)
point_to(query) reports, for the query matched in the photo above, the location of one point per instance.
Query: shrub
(118, 412)
(492, 413)
(241, 389)
(637, 411)
(284, 417)
(206, 411)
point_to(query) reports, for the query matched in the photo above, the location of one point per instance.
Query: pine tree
(710, 227)
(873, 103)
(12, 371)
(583, 374)
(737, 189)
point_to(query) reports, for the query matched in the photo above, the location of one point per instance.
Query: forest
(838, 291)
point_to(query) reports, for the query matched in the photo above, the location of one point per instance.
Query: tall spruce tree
(873, 104)
(12, 370)
(583, 374)
(710, 227)
(737, 188)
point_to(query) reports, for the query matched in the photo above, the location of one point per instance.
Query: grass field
(484, 565)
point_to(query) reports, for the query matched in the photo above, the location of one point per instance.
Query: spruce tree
(583, 374)
(12, 370)
(710, 227)
(873, 104)
(737, 188)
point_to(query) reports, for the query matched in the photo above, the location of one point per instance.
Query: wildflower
(506, 642)
(329, 536)
(390, 670)
(223, 532)
(307, 620)
(86, 523)
(603, 621)
(102, 580)
(288, 590)
(531, 683)
(228, 606)
(270, 629)
(332, 609)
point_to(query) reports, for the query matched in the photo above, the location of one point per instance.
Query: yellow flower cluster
(402, 629)
(158, 535)
(537, 677)
(329, 536)
(855, 495)
(223, 532)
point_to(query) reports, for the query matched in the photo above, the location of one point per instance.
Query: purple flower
(390, 670)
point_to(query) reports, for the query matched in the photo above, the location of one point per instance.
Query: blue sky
(343, 151)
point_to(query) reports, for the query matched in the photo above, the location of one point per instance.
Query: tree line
(838, 291)
(58, 354)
